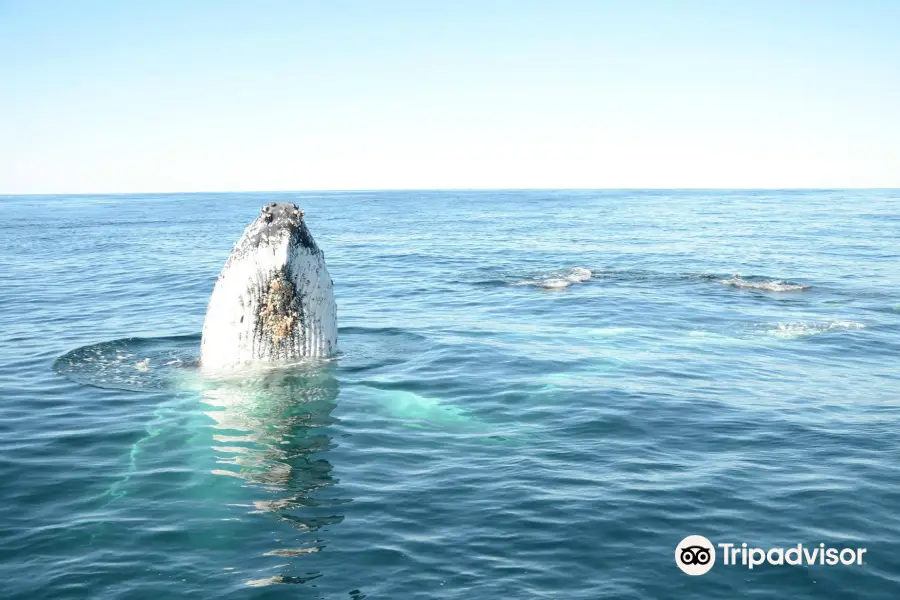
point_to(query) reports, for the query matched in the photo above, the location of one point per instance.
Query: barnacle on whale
(279, 311)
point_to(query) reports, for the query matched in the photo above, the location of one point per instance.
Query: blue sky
(216, 95)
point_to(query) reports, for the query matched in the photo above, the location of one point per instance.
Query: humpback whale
(273, 302)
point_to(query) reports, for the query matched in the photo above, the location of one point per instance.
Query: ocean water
(539, 394)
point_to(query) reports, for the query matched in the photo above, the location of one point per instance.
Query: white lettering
(798, 555)
(725, 547)
(757, 557)
(796, 552)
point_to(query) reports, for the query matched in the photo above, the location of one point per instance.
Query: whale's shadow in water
(268, 430)
(246, 447)
(242, 448)
(271, 432)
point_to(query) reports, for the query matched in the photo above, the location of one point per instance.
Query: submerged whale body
(273, 301)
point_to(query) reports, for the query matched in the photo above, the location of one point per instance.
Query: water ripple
(510, 415)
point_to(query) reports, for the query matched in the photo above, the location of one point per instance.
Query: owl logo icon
(695, 555)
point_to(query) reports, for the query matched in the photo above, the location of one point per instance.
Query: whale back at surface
(274, 299)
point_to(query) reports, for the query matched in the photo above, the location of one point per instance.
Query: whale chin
(273, 301)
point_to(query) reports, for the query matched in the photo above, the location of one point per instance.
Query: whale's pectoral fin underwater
(273, 301)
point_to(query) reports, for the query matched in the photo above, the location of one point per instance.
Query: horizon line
(464, 189)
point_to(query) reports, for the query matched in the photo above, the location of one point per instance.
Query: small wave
(559, 279)
(807, 328)
(768, 285)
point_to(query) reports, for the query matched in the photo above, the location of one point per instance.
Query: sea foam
(768, 285)
(559, 279)
(806, 328)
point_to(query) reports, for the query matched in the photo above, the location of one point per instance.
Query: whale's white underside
(239, 329)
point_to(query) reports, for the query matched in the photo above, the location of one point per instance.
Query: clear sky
(215, 95)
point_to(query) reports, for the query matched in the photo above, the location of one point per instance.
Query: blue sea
(538, 395)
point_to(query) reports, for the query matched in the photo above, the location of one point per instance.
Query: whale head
(273, 301)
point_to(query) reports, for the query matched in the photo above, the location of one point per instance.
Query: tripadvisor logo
(696, 555)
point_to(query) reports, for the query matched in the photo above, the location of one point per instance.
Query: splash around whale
(273, 302)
